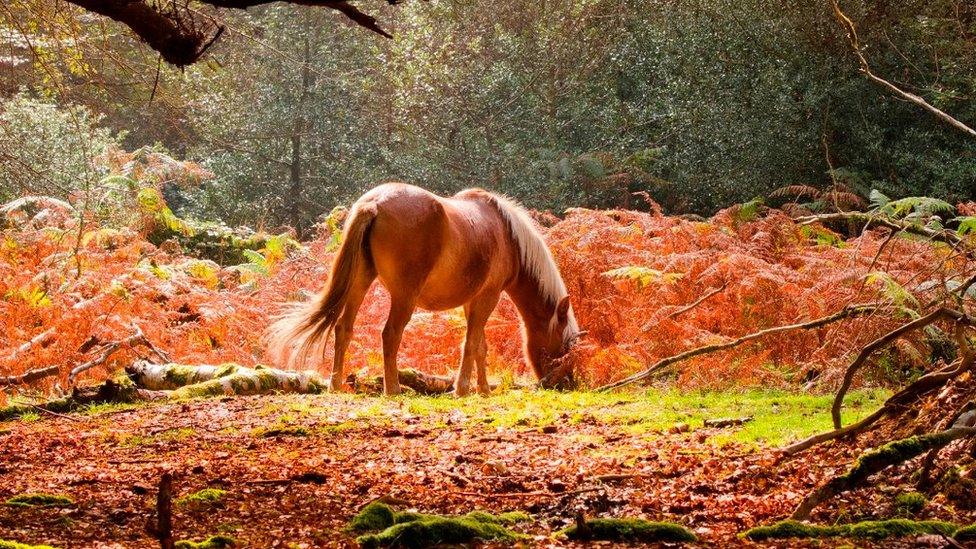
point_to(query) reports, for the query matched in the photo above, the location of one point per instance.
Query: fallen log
(148, 381)
(187, 381)
(115, 391)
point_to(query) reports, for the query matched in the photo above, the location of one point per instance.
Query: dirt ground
(296, 468)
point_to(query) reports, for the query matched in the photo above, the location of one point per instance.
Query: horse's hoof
(460, 393)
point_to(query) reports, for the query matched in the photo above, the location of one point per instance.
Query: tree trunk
(296, 188)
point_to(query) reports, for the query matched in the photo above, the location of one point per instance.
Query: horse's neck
(533, 306)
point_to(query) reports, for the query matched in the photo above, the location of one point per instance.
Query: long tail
(306, 326)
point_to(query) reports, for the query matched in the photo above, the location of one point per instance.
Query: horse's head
(547, 347)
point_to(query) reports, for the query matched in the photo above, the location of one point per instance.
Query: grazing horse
(437, 253)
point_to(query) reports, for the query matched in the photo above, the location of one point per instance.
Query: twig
(846, 312)
(46, 411)
(40, 339)
(898, 400)
(533, 494)
(138, 338)
(620, 476)
(700, 300)
(874, 261)
(727, 421)
(947, 237)
(164, 512)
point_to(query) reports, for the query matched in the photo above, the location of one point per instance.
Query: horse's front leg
(481, 360)
(400, 312)
(475, 347)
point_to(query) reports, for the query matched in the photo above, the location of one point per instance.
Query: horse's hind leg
(401, 309)
(343, 328)
(475, 347)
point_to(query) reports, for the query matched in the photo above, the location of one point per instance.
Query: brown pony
(437, 253)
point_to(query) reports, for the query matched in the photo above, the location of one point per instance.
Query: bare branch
(869, 349)
(851, 31)
(846, 312)
(30, 376)
(699, 301)
(138, 338)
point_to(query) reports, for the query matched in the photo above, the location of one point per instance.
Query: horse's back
(441, 250)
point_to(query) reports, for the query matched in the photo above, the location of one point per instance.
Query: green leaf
(643, 276)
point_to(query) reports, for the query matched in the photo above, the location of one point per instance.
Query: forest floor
(291, 470)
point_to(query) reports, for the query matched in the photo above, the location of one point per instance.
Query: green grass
(109, 407)
(779, 416)
(29, 417)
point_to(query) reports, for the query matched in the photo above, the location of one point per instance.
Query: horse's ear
(562, 310)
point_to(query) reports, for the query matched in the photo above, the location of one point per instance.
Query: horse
(437, 253)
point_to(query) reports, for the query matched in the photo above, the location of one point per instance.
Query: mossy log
(415, 530)
(876, 460)
(421, 383)
(627, 529)
(233, 379)
(870, 529)
(149, 381)
(187, 381)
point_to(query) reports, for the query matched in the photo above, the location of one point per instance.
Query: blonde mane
(536, 258)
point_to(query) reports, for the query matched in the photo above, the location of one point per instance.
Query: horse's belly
(449, 289)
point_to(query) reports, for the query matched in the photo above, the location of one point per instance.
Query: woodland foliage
(701, 103)
(644, 286)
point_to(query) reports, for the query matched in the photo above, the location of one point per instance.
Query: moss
(6, 544)
(791, 529)
(896, 528)
(226, 369)
(958, 488)
(375, 516)
(411, 529)
(629, 529)
(910, 503)
(509, 518)
(434, 530)
(41, 499)
(965, 534)
(894, 452)
(178, 375)
(206, 389)
(869, 529)
(213, 542)
(203, 498)
(267, 380)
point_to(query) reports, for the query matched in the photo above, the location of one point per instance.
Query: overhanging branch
(182, 36)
